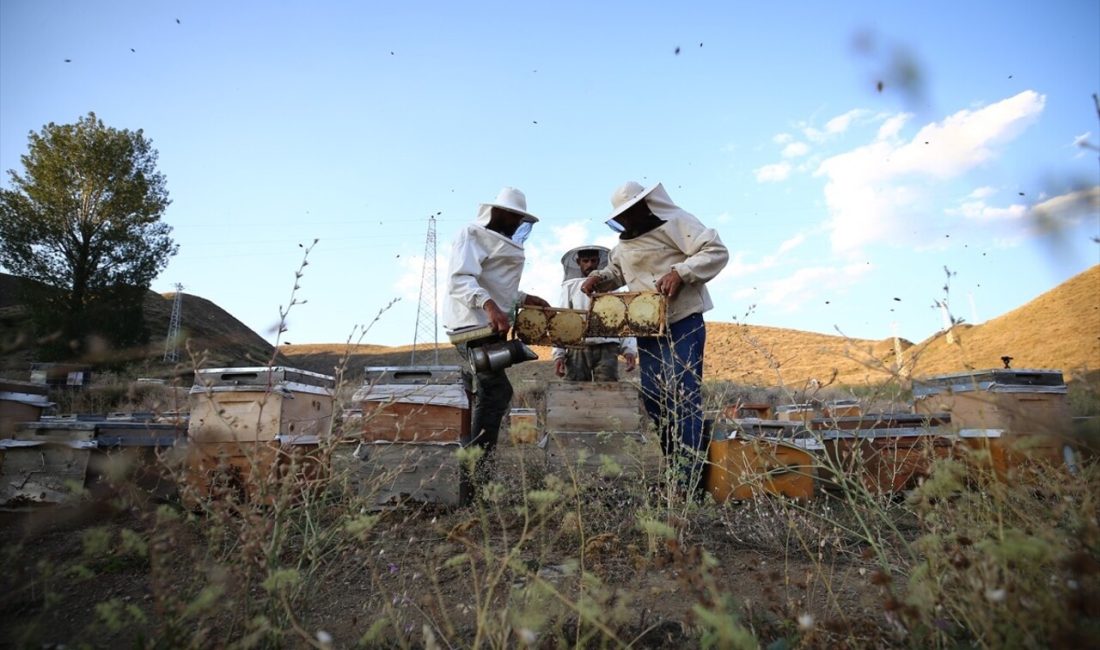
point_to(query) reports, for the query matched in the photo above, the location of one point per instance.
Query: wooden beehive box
(251, 428)
(741, 468)
(592, 407)
(390, 473)
(414, 404)
(259, 405)
(46, 462)
(597, 428)
(551, 326)
(20, 402)
(795, 412)
(886, 452)
(627, 314)
(523, 426)
(1017, 416)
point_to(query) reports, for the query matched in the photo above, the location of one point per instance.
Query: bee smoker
(488, 351)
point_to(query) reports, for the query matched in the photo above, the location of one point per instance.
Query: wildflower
(324, 638)
(995, 595)
(527, 636)
(805, 622)
(393, 568)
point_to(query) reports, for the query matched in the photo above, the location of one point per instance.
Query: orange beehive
(741, 468)
(886, 452)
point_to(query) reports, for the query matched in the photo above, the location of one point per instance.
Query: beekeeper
(665, 249)
(483, 290)
(598, 359)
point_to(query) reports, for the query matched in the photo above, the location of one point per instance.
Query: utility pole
(171, 342)
(426, 328)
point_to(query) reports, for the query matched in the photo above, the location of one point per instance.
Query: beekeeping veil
(569, 261)
(512, 200)
(656, 198)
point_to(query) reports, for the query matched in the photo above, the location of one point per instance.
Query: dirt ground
(403, 573)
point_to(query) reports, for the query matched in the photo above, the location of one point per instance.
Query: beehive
(795, 412)
(1014, 417)
(415, 419)
(20, 402)
(252, 428)
(886, 452)
(597, 428)
(741, 467)
(523, 426)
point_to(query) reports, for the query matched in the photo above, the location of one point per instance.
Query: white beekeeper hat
(512, 200)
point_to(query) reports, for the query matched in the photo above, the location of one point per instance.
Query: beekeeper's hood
(569, 261)
(655, 196)
(512, 200)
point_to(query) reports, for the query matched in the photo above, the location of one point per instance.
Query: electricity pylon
(426, 328)
(171, 342)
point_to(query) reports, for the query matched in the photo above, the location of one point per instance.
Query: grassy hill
(215, 335)
(1059, 329)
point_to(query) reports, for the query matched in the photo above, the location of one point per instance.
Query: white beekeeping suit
(573, 298)
(484, 265)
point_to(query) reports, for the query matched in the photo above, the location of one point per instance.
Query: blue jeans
(672, 375)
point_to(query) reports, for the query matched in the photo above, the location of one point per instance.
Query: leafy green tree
(84, 220)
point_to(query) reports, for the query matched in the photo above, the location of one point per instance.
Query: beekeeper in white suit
(598, 358)
(483, 289)
(666, 249)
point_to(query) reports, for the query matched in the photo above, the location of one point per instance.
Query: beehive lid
(412, 375)
(1007, 380)
(262, 378)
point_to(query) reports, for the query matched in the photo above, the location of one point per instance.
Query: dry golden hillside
(1059, 329)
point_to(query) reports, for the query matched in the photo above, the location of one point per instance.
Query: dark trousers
(672, 375)
(492, 397)
(595, 362)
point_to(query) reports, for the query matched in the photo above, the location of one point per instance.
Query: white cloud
(813, 134)
(840, 123)
(782, 138)
(1082, 140)
(773, 173)
(791, 292)
(795, 149)
(893, 126)
(981, 211)
(738, 267)
(791, 243)
(874, 190)
(983, 192)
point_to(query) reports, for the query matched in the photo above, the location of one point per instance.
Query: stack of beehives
(415, 419)
(255, 430)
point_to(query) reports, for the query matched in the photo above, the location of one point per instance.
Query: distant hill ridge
(1058, 329)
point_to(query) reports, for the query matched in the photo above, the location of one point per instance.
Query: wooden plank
(407, 422)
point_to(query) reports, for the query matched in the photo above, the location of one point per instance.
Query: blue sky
(841, 202)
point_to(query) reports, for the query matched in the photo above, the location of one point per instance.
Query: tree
(84, 219)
